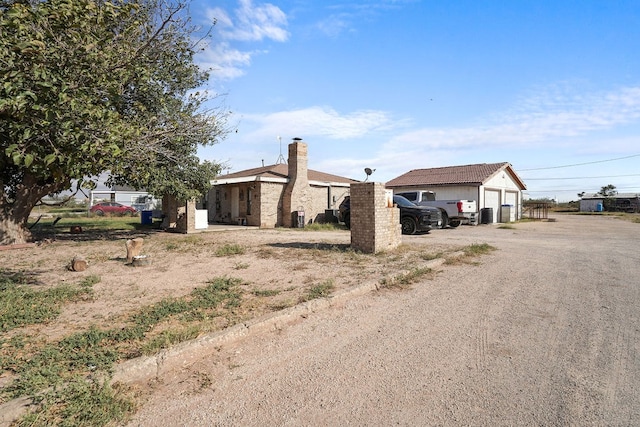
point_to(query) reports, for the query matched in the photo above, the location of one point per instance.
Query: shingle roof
(453, 175)
(282, 171)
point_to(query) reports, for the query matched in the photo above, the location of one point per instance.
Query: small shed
(621, 202)
(491, 185)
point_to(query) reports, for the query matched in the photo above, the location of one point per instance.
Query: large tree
(89, 86)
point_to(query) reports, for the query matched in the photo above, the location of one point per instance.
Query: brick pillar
(177, 216)
(375, 222)
(297, 194)
(170, 212)
(190, 217)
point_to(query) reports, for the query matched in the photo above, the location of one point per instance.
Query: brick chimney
(297, 194)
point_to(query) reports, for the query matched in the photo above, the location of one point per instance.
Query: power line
(554, 190)
(580, 164)
(579, 177)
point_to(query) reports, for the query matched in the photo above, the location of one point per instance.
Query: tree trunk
(13, 231)
(14, 212)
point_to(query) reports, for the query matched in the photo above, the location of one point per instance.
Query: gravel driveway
(543, 331)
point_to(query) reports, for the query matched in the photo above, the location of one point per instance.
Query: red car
(112, 208)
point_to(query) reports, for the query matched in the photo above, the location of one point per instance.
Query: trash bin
(146, 217)
(297, 219)
(507, 213)
(486, 216)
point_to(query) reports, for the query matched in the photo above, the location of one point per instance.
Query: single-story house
(287, 195)
(141, 200)
(491, 185)
(621, 202)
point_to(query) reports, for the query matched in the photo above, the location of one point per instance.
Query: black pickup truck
(413, 218)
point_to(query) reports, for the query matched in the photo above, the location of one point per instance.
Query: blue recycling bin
(146, 217)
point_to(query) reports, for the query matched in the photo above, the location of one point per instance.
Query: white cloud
(224, 62)
(251, 22)
(247, 23)
(323, 121)
(259, 22)
(335, 25)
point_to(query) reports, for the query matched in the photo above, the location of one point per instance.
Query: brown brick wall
(375, 227)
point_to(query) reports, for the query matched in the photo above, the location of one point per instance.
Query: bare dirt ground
(544, 331)
(276, 268)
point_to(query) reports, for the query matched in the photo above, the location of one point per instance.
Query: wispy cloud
(225, 62)
(253, 22)
(550, 119)
(248, 22)
(344, 17)
(324, 122)
(540, 119)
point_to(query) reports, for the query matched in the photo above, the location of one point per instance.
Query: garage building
(492, 185)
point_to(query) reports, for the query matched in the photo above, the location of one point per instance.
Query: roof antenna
(281, 159)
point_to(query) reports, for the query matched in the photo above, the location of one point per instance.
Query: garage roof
(476, 174)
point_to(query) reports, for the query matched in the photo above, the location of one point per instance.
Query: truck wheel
(454, 223)
(408, 225)
(445, 219)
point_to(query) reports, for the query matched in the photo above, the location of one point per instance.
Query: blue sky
(553, 87)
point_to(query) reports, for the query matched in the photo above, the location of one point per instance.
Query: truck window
(428, 196)
(412, 196)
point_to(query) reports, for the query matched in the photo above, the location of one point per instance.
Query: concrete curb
(183, 354)
(147, 367)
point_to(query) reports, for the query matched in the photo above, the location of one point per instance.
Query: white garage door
(492, 200)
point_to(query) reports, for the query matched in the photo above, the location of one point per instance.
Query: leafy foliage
(90, 86)
(608, 190)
